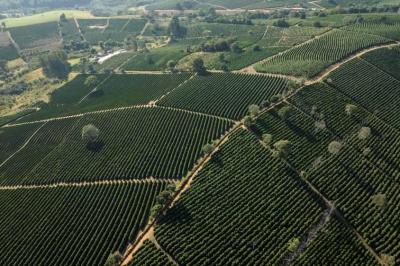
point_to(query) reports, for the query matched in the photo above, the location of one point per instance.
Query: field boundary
(116, 109)
(92, 183)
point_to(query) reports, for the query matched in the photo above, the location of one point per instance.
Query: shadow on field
(179, 214)
(95, 147)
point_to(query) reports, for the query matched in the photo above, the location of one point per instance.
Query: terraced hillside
(299, 165)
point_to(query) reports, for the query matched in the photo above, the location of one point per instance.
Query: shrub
(364, 133)
(114, 259)
(267, 139)
(282, 148)
(254, 110)
(334, 147)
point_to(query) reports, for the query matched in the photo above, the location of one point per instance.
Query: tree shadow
(95, 147)
(179, 214)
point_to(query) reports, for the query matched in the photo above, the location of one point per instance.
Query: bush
(267, 139)
(364, 133)
(114, 259)
(282, 148)
(208, 148)
(285, 112)
(335, 147)
(254, 110)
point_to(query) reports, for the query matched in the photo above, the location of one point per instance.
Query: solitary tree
(175, 29)
(208, 148)
(171, 65)
(285, 112)
(282, 148)
(350, 109)
(254, 110)
(63, 18)
(379, 200)
(114, 259)
(90, 134)
(267, 139)
(293, 244)
(334, 147)
(388, 260)
(364, 133)
(198, 66)
(248, 121)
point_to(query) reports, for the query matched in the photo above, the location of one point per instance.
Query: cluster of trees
(163, 200)
(55, 65)
(175, 29)
(220, 45)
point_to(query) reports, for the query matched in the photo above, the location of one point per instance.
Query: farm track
(177, 87)
(24, 145)
(144, 28)
(95, 88)
(151, 105)
(92, 183)
(335, 66)
(14, 43)
(79, 115)
(79, 29)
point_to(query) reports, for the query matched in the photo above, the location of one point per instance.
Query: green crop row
(312, 57)
(134, 143)
(224, 94)
(72, 225)
(243, 208)
(370, 87)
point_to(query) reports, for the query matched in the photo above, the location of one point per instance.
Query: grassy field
(51, 16)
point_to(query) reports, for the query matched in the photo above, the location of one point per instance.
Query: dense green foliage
(351, 181)
(150, 255)
(134, 143)
(72, 225)
(55, 65)
(387, 59)
(369, 87)
(224, 94)
(312, 57)
(251, 206)
(336, 245)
